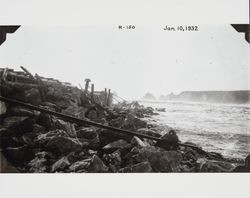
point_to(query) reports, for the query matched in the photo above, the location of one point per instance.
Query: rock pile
(36, 142)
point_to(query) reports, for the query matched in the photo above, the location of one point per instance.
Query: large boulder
(19, 124)
(138, 142)
(160, 161)
(40, 163)
(18, 155)
(169, 141)
(60, 165)
(205, 165)
(32, 96)
(131, 122)
(7, 138)
(114, 160)
(59, 142)
(64, 144)
(88, 135)
(5, 166)
(66, 126)
(80, 166)
(96, 165)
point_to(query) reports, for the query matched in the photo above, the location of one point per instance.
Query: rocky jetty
(36, 142)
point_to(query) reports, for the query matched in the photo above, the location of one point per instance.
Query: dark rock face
(170, 141)
(245, 167)
(19, 124)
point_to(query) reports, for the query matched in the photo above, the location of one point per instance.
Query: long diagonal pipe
(81, 121)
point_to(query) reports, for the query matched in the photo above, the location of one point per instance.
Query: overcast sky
(133, 62)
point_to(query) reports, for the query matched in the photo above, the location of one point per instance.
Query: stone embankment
(36, 142)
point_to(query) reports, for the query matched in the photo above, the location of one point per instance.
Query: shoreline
(36, 142)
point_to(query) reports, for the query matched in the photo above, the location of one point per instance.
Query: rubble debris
(38, 142)
(118, 145)
(60, 165)
(97, 166)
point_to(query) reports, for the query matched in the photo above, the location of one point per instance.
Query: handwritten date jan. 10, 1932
(181, 28)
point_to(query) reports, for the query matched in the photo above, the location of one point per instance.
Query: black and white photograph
(124, 97)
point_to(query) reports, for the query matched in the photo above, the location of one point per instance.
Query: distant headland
(235, 97)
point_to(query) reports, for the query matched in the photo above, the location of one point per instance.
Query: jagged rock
(3, 108)
(191, 155)
(45, 120)
(7, 138)
(39, 163)
(32, 96)
(80, 166)
(64, 144)
(143, 167)
(29, 138)
(67, 127)
(5, 166)
(21, 111)
(170, 141)
(118, 122)
(245, 167)
(107, 136)
(114, 160)
(78, 112)
(161, 161)
(89, 135)
(18, 154)
(92, 152)
(215, 156)
(119, 144)
(97, 165)
(205, 165)
(133, 123)
(19, 124)
(38, 129)
(149, 132)
(138, 142)
(60, 165)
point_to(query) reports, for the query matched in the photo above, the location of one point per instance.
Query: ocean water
(223, 128)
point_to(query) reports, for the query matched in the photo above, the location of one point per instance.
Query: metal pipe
(81, 121)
